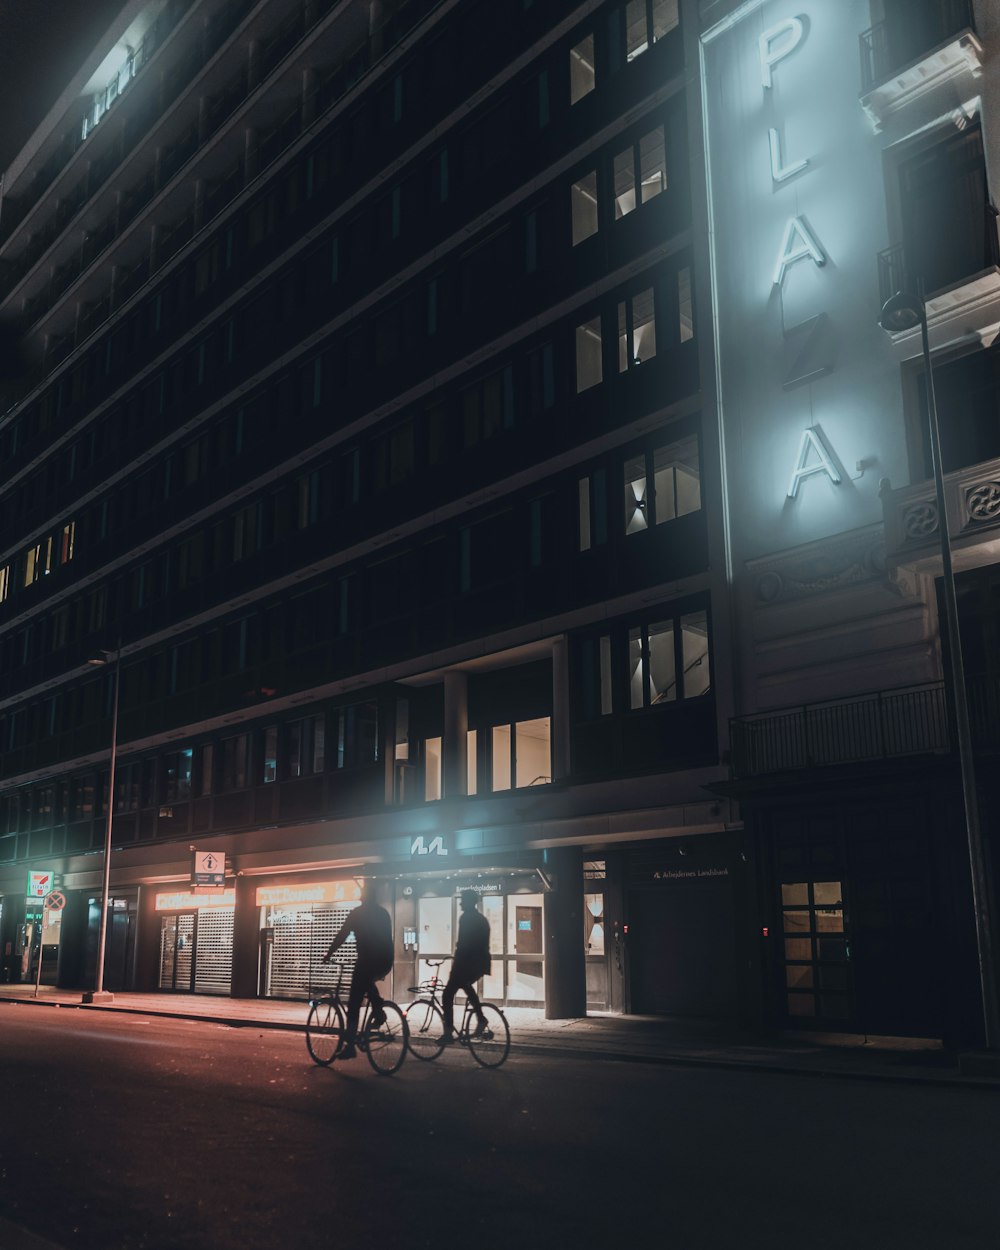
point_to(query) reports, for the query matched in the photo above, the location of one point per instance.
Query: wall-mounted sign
(423, 846)
(185, 900)
(208, 870)
(315, 892)
(688, 874)
(40, 882)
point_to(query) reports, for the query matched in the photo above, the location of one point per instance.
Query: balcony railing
(883, 726)
(960, 253)
(890, 45)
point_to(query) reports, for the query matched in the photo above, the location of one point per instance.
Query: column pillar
(456, 728)
(246, 939)
(560, 709)
(562, 910)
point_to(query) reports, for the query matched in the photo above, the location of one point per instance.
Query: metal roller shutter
(213, 972)
(301, 938)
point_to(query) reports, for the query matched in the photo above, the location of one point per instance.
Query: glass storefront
(298, 924)
(517, 944)
(196, 941)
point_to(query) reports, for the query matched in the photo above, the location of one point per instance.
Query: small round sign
(55, 901)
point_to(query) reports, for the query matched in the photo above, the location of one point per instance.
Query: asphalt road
(135, 1133)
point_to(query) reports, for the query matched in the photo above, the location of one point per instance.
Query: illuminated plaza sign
(795, 182)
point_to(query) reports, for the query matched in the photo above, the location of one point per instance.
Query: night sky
(42, 44)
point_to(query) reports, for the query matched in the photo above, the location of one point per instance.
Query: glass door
(816, 953)
(177, 952)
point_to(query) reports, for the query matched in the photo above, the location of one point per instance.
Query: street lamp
(98, 994)
(904, 311)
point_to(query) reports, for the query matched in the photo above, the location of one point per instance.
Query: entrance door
(527, 982)
(817, 982)
(177, 952)
(595, 950)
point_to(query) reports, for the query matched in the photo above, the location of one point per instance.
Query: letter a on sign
(813, 441)
(797, 243)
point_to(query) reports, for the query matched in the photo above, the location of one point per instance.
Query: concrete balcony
(912, 522)
(931, 63)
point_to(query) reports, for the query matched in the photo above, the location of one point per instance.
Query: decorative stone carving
(821, 567)
(920, 519)
(983, 501)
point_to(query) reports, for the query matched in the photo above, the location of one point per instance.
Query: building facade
(464, 433)
(355, 420)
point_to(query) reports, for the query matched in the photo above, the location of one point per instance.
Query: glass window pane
(472, 777)
(662, 666)
(635, 29)
(583, 195)
(828, 893)
(795, 894)
(532, 758)
(589, 367)
(799, 976)
(606, 675)
(432, 769)
(584, 493)
(643, 327)
(685, 309)
(832, 950)
(624, 183)
(635, 495)
(796, 921)
(593, 924)
(623, 360)
(829, 921)
(697, 678)
(798, 948)
(677, 479)
(434, 926)
(635, 669)
(501, 757)
(652, 164)
(270, 770)
(665, 18)
(581, 69)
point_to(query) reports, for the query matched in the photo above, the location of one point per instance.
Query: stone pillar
(246, 939)
(565, 965)
(455, 772)
(560, 709)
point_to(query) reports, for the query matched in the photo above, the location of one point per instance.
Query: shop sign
(317, 892)
(208, 870)
(481, 887)
(40, 882)
(185, 900)
(688, 874)
(421, 846)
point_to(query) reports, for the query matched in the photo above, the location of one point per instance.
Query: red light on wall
(763, 932)
(625, 929)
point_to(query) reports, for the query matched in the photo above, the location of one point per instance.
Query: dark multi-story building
(358, 412)
(465, 429)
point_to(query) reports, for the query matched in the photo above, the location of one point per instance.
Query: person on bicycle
(371, 925)
(472, 961)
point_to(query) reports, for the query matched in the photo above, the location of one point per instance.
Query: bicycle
(385, 1043)
(489, 1045)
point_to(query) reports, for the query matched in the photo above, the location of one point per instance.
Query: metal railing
(889, 45)
(961, 253)
(881, 726)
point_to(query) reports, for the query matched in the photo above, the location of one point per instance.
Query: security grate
(213, 972)
(301, 938)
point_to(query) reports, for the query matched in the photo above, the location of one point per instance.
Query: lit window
(644, 19)
(662, 485)
(669, 660)
(685, 312)
(66, 540)
(522, 754)
(624, 183)
(581, 69)
(472, 772)
(652, 164)
(4, 582)
(583, 197)
(269, 769)
(636, 330)
(589, 365)
(432, 769)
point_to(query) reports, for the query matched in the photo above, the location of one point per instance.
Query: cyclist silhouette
(371, 925)
(472, 961)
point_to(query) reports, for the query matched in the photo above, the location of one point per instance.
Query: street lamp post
(98, 994)
(902, 312)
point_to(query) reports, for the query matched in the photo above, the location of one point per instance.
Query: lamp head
(902, 311)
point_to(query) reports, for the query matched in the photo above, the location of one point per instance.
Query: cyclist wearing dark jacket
(472, 961)
(372, 929)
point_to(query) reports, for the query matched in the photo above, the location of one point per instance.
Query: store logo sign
(420, 846)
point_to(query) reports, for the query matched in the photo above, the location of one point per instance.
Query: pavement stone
(643, 1039)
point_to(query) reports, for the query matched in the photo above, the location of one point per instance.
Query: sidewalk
(642, 1039)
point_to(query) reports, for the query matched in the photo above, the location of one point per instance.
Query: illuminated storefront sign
(317, 892)
(812, 445)
(40, 882)
(184, 900)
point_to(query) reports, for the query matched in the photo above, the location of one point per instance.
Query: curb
(555, 1050)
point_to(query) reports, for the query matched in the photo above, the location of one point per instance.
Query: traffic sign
(55, 901)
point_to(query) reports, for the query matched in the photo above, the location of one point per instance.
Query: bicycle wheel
(386, 1045)
(325, 1031)
(492, 1046)
(426, 1027)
